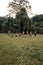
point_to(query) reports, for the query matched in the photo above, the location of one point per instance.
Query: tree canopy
(23, 20)
(38, 23)
(16, 5)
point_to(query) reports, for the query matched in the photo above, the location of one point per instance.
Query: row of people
(31, 34)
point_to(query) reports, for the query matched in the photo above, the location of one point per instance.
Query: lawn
(24, 50)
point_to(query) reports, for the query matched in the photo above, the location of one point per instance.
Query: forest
(21, 23)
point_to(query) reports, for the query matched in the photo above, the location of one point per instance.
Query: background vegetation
(38, 23)
(21, 23)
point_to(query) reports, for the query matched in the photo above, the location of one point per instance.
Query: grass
(23, 50)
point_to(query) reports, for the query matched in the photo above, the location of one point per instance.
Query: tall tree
(23, 21)
(16, 5)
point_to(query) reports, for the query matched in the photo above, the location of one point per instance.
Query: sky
(37, 6)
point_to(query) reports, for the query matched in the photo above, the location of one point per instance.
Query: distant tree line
(6, 24)
(37, 23)
(21, 23)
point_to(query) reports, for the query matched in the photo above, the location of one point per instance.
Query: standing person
(30, 33)
(9, 32)
(35, 33)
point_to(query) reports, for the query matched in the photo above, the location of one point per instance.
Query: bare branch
(16, 5)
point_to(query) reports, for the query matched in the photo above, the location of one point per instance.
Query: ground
(24, 50)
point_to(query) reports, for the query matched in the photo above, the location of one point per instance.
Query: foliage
(16, 5)
(23, 20)
(37, 18)
(6, 24)
(37, 22)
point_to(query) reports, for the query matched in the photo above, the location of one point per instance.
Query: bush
(39, 30)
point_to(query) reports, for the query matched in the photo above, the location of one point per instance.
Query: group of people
(19, 34)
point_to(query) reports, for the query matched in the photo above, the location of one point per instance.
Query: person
(9, 32)
(30, 33)
(27, 32)
(35, 33)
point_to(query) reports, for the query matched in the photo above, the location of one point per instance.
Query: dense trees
(6, 24)
(20, 8)
(24, 23)
(38, 23)
(21, 23)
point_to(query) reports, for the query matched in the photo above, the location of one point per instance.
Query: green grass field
(23, 50)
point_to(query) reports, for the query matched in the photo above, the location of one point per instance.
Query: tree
(16, 5)
(2, 23)
(23, 21)
(4, 26)
(20, 8)
(10, 24)
(37, 22)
